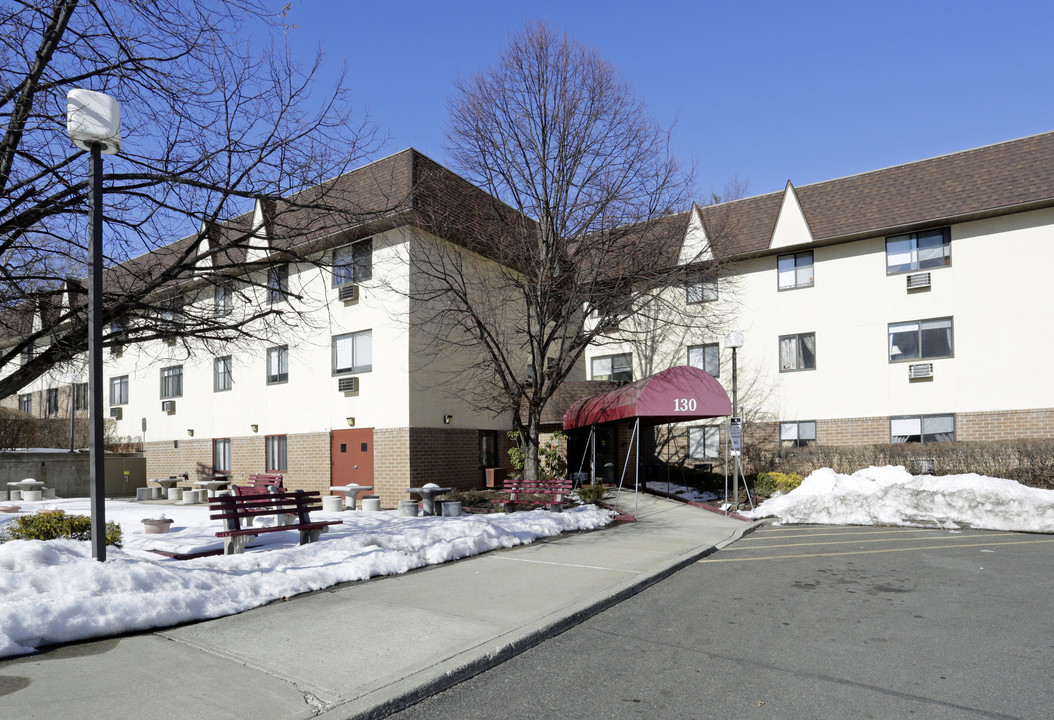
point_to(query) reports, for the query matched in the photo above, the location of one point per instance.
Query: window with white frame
(277, 453)
(700, 287)
(223, 302)
(918, 251)
(798, 352)
(119, 390)
(704, 442)
(172, 382)
(25, 403)
(616, 368)
(353, 352)
(27, 354)
(706, 357)
(277, 284)
(353, 264)
(222, 374)
(794, 270)
(80, 396)
(922, 429)
(53, 401)
(801, 433)
(278, 364)
(920, 339)
(221, 456)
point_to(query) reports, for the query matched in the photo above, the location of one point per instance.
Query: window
(706, 357)
(701, 287)
(53, 401)
(794, 270)
(798, 352)
(169, 321)
(488, 448)
(920, 339)
(276, 452)
(222, 379)
(119, 390)
(704, 442)
(221, 456)
(922, 429)
(277, 284)
(224, 301)
(277, 365)
(353, 263)
(353, 352)
(798, 434)
(80, 396)
(616, 368)
(27, 354)
(172, 382)
(918, 251)
(25, 403)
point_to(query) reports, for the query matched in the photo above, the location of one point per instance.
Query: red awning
(675, 395)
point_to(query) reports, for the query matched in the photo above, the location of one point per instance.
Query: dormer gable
(695, 247)
(791, 226)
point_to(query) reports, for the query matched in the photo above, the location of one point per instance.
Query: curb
(469, 663)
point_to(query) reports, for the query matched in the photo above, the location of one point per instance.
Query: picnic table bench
(260, 484)
(233, 509)
(551, 491)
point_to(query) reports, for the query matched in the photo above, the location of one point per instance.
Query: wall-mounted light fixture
(351, 422)
(255, 427)
(190, 432)
(447, 419)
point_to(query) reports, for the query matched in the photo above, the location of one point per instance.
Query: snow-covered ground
(54, 592)
(892, 496)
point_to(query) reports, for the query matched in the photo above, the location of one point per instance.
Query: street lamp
(734, 340)
(93, 121)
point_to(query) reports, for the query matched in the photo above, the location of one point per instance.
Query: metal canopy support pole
(625, 465)
(97, 465)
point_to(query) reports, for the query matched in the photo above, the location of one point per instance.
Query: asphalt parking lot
(804, 621)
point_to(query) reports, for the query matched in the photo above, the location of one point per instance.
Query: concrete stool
(451, 508)
(49, 493)
(155, 493)
(32, 495)
(175, 493)
(408, 508)
(3, 495)
(190, 497)
(371, 504)
(332, 503)
(15, 494)
(142, 494)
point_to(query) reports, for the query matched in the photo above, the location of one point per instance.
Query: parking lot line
(717, 558)
(758, 543)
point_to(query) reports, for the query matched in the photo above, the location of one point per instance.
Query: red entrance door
(352, 457)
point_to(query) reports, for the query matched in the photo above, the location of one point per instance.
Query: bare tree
(579, 230)
(223, 144)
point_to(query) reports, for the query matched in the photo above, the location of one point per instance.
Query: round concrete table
(166, 484)
(28, 485)
(350, 493)
(214, 484)
(428, 497)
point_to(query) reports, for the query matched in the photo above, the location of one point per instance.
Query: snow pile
(892, 496)
(54, 592)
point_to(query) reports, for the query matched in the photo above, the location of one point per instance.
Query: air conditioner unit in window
(916, 281)
(920, 370)
(168, 406)
(348, 385)
(116, 351)
(116, 413)
(349, 293)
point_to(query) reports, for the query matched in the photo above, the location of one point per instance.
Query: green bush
(53, 526)
(592, 493)
(769, 483)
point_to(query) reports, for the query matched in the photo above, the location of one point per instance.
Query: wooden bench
(265, 480)
(260, 484)
(551, 491)
(235, 508)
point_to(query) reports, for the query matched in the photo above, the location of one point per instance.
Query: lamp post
(93, 121)
(734, 340)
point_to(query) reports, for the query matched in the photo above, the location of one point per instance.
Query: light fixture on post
(447, 419)
(255, 427)
(93, 122)
(734, 436)
(351, 422)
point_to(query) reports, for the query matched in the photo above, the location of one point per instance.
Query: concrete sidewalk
(364, 650)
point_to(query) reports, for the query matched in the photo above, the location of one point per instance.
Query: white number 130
(684, 405)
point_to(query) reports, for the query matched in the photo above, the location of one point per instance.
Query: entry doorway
(351, 457)
(606, 452)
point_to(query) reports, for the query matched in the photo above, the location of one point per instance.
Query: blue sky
(768, 91)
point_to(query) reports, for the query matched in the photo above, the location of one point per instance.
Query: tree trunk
(531, 470)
